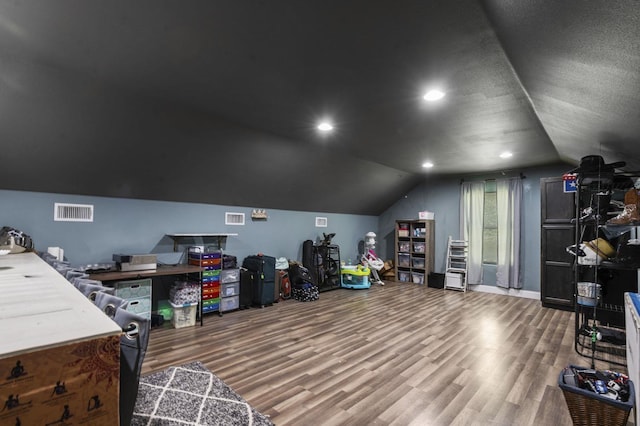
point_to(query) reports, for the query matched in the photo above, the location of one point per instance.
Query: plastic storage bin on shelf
(404, 246)
(184, 315)
(404, 277)
(417, 278)
(419, 247)
(417, 262)
(230, 289)
(403, 230)
(229, 303)
(404, 260)
(229, 276)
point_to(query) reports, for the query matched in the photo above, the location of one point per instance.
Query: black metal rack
(606, 316)
(326, 267)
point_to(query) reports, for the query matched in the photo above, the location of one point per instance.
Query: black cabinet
(557, 233)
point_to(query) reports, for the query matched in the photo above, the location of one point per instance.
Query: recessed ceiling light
(433, 95)
(325, 126)
(506, 154)
(427, 165)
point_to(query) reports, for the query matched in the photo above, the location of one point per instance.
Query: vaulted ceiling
(217, 101)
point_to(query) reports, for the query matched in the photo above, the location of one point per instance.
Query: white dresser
(632, 325)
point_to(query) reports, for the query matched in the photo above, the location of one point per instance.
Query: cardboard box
(426, 215)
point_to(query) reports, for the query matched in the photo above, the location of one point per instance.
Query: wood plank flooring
(401, 354)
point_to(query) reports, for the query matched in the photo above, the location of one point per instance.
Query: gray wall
(139, 226)
(442, 196)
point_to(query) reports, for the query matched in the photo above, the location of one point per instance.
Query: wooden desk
(160, 271)
(134, 275)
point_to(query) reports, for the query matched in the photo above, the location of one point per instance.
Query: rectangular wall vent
(233, 218)
(63, 212)
(321, 222)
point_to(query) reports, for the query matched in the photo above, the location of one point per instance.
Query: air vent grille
(233, 218)
(63, 212)
(321, 222)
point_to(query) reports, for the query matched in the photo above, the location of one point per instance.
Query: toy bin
(418, 247)
(356, 278)
(404, 277)
(404, 260)
(590, 408)
(184, 315)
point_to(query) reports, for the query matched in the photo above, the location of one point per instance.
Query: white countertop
(39, 308)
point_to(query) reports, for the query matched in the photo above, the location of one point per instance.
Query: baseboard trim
(527, 294)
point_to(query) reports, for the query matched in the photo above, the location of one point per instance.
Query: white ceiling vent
(321, 222)
(233, 218)
(63, 212)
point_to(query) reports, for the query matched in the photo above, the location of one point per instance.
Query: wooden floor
(394, 355)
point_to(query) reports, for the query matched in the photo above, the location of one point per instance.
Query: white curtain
(509, 200)
(471, 225)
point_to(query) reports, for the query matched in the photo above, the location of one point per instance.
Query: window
(490, 224)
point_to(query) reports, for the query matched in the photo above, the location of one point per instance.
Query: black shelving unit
(600, 329)
(326, 266)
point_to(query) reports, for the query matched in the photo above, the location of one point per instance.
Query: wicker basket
(590, 408)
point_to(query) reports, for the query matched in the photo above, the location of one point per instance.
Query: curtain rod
(521, 176)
